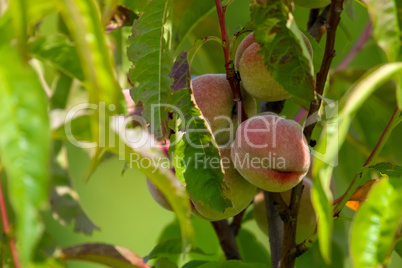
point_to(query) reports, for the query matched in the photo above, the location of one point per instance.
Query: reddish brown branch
(334, 18)
(318, 27)
(225, 232)
(236, 223)
(227, 239)
(231, 74)
(6, 228)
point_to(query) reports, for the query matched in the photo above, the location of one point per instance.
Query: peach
(271, 152)
(238, 190)
(306, 219)
(255, 77)
(214, 98)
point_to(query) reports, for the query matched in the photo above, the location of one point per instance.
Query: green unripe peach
(271, 152)
(213, 96)
(238, 190)
(312, 3)
(306, 219)
(255, 77)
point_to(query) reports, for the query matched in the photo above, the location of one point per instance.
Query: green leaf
(398, 247)
(233, 264)
(312, 258)
(192, 14)
(386, 29)
(60, 52)
(150, 52)
(165, 263)
(110, 255)
(376, 223)
(83, 20)
(65, 203)
(152, 166)
(24, 146)
(168, 247)
(250, 249)
(334, 134)
(193, 146)
(388, 169)
(284, 51)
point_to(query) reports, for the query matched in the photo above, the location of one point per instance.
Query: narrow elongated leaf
(157, 167)
(83, 20)
(192, 146)
(24, 146)
(60, 53)
(150, 52)
(376, 223)
(386, 29)
(334, 136)
(284, 51)
(110, 255)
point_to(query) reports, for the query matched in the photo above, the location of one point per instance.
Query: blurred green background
(121, 205)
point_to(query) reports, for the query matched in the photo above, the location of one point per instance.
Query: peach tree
(267, 131)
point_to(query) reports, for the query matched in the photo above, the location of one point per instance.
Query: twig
(6, 228)
(289, 240)
(314, 13)
(289, 228)
(236, 223)
(377, 149)
(275, 230)
(231, 74)
(356, 48)
(226, 239)
(225, 232)
(318, 28)
(334, 18)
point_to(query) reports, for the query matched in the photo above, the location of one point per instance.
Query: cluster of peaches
(264, 152)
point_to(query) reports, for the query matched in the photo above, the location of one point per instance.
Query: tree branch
(335, 16)
(318, 27)
(226, 239)
(6, 228)
(289, 239)
(289, 228)
(236, 223)
(275, 230)
(231, 74)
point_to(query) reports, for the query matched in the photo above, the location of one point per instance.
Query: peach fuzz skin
(271, 152)
(214, 97)
(255, 77)
(306, 219)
